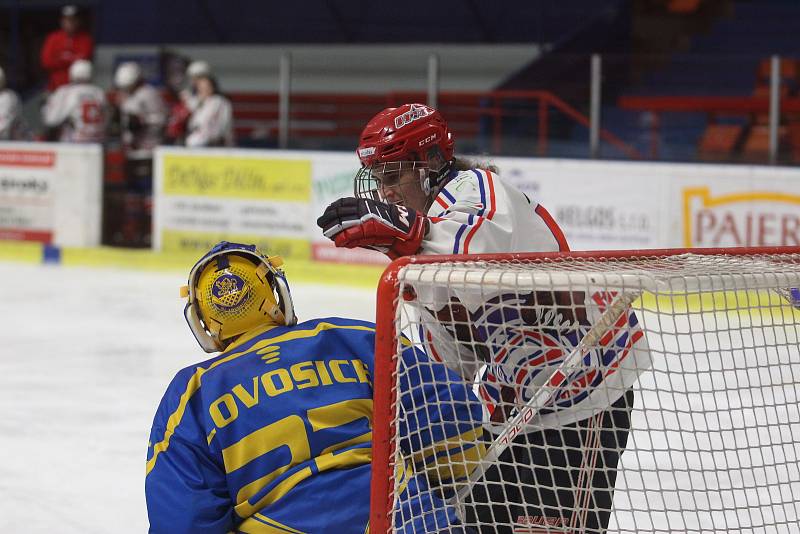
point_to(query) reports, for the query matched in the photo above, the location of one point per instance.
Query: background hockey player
(77, 112)
(274, 433)
(211, 120)
(415, 197)
(11, 126)
(143, 113)
(186, 102)
(195, 70)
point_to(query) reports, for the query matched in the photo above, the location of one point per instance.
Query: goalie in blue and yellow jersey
(274, 433)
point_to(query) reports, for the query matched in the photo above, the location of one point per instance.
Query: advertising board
(274, 198)
(51, 193)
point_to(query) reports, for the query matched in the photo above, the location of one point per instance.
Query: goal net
(648, 391)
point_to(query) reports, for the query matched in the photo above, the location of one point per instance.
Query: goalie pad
(510, 357)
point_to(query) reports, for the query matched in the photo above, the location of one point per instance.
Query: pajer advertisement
(740, 219)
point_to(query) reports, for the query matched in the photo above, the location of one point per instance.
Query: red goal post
(720, 280)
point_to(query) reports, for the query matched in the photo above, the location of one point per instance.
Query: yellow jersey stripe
(278, 524)
(465, 441)
(403, 472)
(194, 382)
(260, 524)
(302, 334)
(175, 419)
(452, 458)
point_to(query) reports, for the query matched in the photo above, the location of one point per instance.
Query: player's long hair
(463, 164)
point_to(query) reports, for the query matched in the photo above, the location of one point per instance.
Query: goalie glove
(360, 222)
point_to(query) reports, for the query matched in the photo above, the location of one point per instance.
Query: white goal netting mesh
(590, 394)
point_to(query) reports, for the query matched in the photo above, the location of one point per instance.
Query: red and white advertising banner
(51, 193)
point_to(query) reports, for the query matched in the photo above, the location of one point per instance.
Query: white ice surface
(85, 356)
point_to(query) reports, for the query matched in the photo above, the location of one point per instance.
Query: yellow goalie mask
(232, 290)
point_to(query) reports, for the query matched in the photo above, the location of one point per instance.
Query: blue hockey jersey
(274, 435)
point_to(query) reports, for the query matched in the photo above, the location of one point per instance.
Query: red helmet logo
(416, 112)
(411, 132)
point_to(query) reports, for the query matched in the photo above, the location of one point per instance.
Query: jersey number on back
(290, 434)
(91, 112)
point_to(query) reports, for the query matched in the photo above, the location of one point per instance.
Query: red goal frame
(381, 499)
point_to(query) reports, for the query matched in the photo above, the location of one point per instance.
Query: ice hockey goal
(625, 391)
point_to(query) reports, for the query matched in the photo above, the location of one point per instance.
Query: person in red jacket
(65, 46)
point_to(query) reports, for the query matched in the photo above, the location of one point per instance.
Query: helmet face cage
(379, 179)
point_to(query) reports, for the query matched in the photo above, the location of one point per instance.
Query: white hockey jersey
(10, 115)
(211, 124)
(146, 107)
(80, 110)
(476, 212)
(189, 99)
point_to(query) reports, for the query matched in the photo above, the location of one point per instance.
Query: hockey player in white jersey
(211, 121)
(143, 113)
(10, 112)
(414, 197)
(195, 70)
(77, 112)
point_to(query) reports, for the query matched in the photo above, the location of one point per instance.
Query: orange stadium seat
(719, 141)
(756, 145)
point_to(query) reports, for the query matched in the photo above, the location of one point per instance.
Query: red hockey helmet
(411, 132)
(410, 140)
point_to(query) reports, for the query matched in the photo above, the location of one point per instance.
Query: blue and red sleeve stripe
(485, 182)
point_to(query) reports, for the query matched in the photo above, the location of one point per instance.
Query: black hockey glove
(359, 222)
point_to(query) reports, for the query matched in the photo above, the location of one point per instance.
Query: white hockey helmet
(128, 73)
(198, 68)
(80, 71)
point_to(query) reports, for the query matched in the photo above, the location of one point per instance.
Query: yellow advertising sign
(224, 176)
(745, 219)
(185, 241)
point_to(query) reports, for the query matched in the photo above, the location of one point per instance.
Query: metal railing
(524, 122)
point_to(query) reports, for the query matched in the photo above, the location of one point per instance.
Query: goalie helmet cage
(714, 437)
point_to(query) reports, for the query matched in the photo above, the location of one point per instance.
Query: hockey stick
(557, 379)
